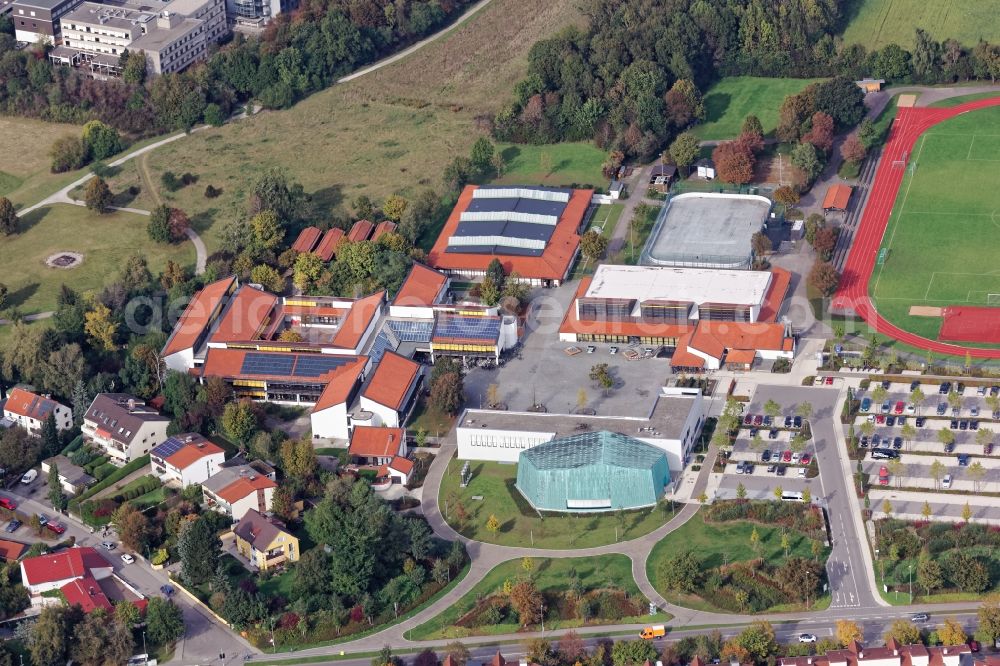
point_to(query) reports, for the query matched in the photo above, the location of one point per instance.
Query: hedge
(72, 446)
(137, 488)
(102, 472)
(115, 477)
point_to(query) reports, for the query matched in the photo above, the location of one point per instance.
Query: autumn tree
(394, 207)
(824, 277)
(951, 632)
(100, 327)
(825, 242)
(593, 245)
(903, 631)
(133, 527)
(268, 277)
(761, 244)
(733, 162)
(307, 270)
(683, 103)
(821, 132)
(853, 150)
(97, 195)
(786, 195)
(447, 392)
(848, 631)
(526, 601)
(239, 420)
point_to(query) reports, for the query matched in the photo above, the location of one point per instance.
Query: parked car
(900, 406)
(591, 349)
(884, 454)
(786, 456)
(954, 424)
(921, 421)
(946, 481)
(883, 476)
(941, 408)
(753, 432)
(963, 459)
(740, 466)
(748, 468)
(974, 645)
(866, 405)
(863, 442)
(890, 421)
(829, 381)
(108, 545)
(806, 459)
(807, 638)
(167, 590)
(988, 449)
(963, 425)
(981, 390)
(613, 350)
(880, 419)
(911, 408)
(768, 420)
(8, 504)
(748, 420)
(796, 457)
(886, 407)
(973, 425)
(974, 411)
(12, 526)
(758, 419)
(780, 471)
(55, 528)
(945, 388)
(914, 386)
(797, 422)
(949, 447)
(900, 421)
(897, 443)
(802, 471)
(771, 468)
(29, 476)
(886, 384)
(772, 433)
(960, 389)
(43, 520)
(766, 455)
(788, 421)
(127, 559)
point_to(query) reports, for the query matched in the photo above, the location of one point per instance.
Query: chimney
(131, 404)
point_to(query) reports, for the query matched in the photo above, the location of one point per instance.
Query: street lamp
(911, 583)
(144, 645)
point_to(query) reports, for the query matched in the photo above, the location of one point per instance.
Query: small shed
(837, 197)
(706, 169)
(617, 189)
(661, 177)
(870, 85)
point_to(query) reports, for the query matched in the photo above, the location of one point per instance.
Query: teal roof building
(594, 471)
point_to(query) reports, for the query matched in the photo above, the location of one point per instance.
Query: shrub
(103, 471)
(211, 192)
(160, 557)
(170, 181)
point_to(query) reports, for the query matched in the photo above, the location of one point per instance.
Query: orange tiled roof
(554, 262)
(401, 464)
(192, 453)
(197, 315)
(341, 384)
(248, 311)
(837, 197)
(743, 335)
(383, 228)
(391, 380)
(743, 356)
(357, 320)
(244, 486)
(307, 239)
(682, 358)
(421, 286)
(703, 340)
(776, 292)
(375, 442)
(361, 230)
(10, 551)
(328, 246)
(27, 404)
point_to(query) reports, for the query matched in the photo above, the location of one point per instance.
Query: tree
(966, 513)
(601, 374)
(755, 540)
(681, 572)
(9, 221)
(164, 621)
(683, 104)
(102, 141)
(56, 495)
(50, 636)
(159, 224)
(759, 641)
(307, 270)
(571, 648)
(950, 632)
(806, 159)
(926, 512)
(896, 468)
(752, 125)
(984, 436)
(936, 471)
(482, 154)
(498, 163)
(526, 601)
(458, 652)
(581, 399)
(929, 574)
(733, 162)
(786, 195)
(786, 543)
(825, 242)
(394, 207)
(97, 640)
(892, 63)
(772, 408)
(821, 134)
(127, 614)
(298, 459)
(268, 277)
(447, 392)
(684, 150)
(97, 195)
(807, 496)
(868, 134)
(495, 270)
(68, 153)
(761, 244)
(954, 399)
(977, 473)
(824, 277)
(489, 294)
(239, 420)
(493, 395)
(632, 653)
(198, 547)
(101, 328)
(493, 524)
(946, 437)
(904, 632)
(853, 150)
(593, 245)
(778, 492)
(848, 631)
(988, 617)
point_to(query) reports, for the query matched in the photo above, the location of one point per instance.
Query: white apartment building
(30, 411)
(123, 426)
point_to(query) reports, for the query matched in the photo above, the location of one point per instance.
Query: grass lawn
(555, 165)
(430, 420)
(641, 227)
(945, 225)
(718, 544)
(875, 23)
(520, 525)
(392, 131)
(606, 219)
(22, 170)
(106, 241)
(955, 101)
(732, 99)
(550, 575)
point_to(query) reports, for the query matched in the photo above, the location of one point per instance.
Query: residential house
(30, 411)
(238, 489)
(377, 446)
(392, 391)
(123, 426)
(11, 551)
(73, 478)
(892, 654)
(53, 571)
(264, 541)
(398, 471)
(186, 459)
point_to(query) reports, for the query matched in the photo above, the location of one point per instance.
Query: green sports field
(875, 23)
(941, 243)
(732, 99)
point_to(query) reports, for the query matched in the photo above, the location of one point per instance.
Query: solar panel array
(412, 331)
(469, 328)
(381, 344)
(314, 366)
(290, 365)
(168, 448)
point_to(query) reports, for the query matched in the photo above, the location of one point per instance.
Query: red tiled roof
(361, 230)
(370, 442)
(27, 404)
(87, 594)
(703, 340)
(341, 384)
(327, 247)
(391, 380)
(837, 197)
(383, 228)
(11, 551)
(742, 335)
(401, 464)
(571, 324)
(682, 358)
(244, 486)
(192, 453)
(197, 316)
(307, 239)
(742, 356)
(498, 660)
(70, 563)
(776, 292)
(421, 286)
(554, 262)
(357, 320)
(248, 311)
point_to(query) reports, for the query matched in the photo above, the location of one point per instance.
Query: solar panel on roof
(168, 448)
(314, 366)
(412, 331)
(381, 344)
(255, 363)
(475, 328)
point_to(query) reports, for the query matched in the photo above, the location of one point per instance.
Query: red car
(7, 504)
(883, 476)
(880, 419)
(900, 406)
(748, 419)
(786, 456)
(806, 458)
(758, 419)
(829, 381)
(57, 528)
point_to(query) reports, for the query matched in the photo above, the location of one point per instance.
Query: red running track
(852, 295)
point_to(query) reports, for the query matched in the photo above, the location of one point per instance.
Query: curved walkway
(853, 295)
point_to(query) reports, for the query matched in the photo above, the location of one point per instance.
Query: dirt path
(147, 179)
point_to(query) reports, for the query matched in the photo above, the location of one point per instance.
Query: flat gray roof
(159, 38)
(41, 4)
(666, 421)
(705, 229)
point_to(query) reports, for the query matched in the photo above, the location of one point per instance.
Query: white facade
(384, 416)
(99, 573)
(63, 416)
(195, 473)
(239, 508)
(181, 361)
(330, 422)
(150, 435)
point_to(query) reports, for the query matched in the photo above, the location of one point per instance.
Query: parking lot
(774, 456)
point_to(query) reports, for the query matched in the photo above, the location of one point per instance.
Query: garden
(566, 592)
(942, 561)
(744, 557)
(491, 509)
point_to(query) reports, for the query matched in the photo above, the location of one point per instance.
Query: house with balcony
(264, 541)
(186, 460)
(30, 411)
(123, 426)
(238, 489)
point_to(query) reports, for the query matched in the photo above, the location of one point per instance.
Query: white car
(911, 408)
(946, 481)
(796, 457)
(127, 559)
(807, 638)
